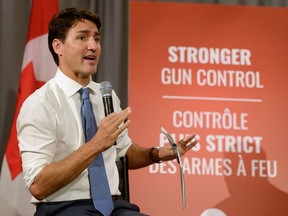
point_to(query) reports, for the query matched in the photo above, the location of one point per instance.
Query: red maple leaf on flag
(37, 68)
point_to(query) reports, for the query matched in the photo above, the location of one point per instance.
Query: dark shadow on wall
(7, 122)
(253, 195)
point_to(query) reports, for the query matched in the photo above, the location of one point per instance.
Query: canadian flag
(37, 68)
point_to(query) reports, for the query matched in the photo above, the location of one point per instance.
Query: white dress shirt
(49, 129)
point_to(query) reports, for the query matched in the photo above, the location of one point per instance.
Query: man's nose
(92, 44)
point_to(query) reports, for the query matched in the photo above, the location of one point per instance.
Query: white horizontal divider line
(254, 100)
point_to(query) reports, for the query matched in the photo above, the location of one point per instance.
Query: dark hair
(63, 21)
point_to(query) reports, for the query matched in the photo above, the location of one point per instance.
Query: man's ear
(57, 46)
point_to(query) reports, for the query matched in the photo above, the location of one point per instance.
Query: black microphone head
(106, 88)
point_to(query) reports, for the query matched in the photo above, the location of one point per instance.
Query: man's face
(79, 54)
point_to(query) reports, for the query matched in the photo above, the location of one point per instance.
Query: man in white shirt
(54, 153)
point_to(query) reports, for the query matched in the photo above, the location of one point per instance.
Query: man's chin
(90, 71)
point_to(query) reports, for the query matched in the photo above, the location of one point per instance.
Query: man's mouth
(90, 57)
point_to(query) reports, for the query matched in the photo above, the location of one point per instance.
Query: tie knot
(84, 93)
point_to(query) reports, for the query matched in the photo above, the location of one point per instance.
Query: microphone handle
(108, 105)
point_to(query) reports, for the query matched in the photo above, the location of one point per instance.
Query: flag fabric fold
(37, 68)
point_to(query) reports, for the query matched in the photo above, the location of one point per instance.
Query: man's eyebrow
(87, 32)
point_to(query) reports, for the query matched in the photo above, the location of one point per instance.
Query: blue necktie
(99, 186)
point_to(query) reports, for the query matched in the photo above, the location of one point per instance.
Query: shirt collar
(69, 86)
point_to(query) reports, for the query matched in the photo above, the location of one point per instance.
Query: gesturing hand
(110, 128)
(184, 145)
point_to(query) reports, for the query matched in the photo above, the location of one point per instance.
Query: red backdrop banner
(221, 72)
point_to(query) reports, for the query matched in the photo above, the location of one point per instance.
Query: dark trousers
(85, 207)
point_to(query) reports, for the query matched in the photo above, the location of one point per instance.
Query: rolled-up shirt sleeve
(36, 136)
(31, 168)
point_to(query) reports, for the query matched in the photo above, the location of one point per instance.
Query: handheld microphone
(106, 91)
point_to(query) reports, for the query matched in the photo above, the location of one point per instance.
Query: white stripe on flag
(11, 205)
